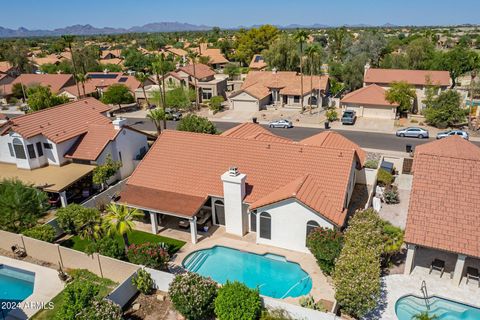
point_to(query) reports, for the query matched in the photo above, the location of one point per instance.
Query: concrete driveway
(368, 125)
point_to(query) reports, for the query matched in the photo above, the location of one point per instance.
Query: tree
(180, 97)
(282, 54)
(142, 77)
(90, 222)
(371, 44)
(40, 97)
(68, 40)
(325, 245)
(313, 52)
(82, 78)
(253, 41)
(445, 110)
(103, 172)
(352, 72)
(339, 41)
(44, 232)
(193, 56)
(16, 53)
(236, 301)
(401, 93)
(194, 123)
(74, 217)
(21, 205)
(157, 116)
(232, 70)
(216, 103)
(136, 60)
(161, 67)
(419, 54)
(459, 61)
(77, 296)
(19, 91)
(117, 94)
(301, 37)
(119, 221)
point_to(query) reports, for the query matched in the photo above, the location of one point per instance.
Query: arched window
(265, 225)
(19, 149)
(219, 212)
(311, 225)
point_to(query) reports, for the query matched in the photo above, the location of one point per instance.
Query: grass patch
(105, 285)
(135, 237)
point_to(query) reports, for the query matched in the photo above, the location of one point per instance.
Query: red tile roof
(245, 129)
(191, 164)
(92, 84)
(5, 66)
(414, 77)
(444, 203)
(55, 81)
(60, 123)
(370, 95)
(201, 70)
(92, 143)
(257, 63)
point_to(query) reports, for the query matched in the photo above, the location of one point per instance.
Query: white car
(281, 124)
(412, 132)
(460, 133)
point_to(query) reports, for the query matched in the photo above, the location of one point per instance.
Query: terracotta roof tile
(55, 81)
(257, 63)
(5, 66)
(91, 144)
(444, 203)
(414, 77)
(201, 70)
(214, 54)
(372, 95)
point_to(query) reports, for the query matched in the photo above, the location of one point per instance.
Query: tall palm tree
(157, 116)
(119, 221)
(142, 77)
(82, 78)
(161, 67)
(68, 40)
(312, 52)
(301, 37)
(193, 57)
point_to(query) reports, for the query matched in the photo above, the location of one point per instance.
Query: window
(207, 94)
(31, 151)
(10, 148)
(47, 145)
(253, 221)
(265, 225)
(19, 149)
(311, 225)
(296, 99)
(39, 149)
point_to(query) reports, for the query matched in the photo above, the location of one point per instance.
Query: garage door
(244, 105)
(353, 108)
(378, 112)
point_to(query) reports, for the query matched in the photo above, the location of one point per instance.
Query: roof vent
(233, 171)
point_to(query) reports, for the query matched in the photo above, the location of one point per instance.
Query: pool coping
(45, 287)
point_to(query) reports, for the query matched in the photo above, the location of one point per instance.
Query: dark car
(349, 117)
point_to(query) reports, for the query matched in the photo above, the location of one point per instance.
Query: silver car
(413, 132)
(460, 133)
(281, 124)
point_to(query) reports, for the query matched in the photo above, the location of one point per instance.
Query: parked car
(413, 132)
(281, 124)
(349, 117)
(173, 114)
(449, 133)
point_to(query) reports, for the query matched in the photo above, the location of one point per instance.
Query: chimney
(236, 219)
(274, 70)
(119, 122)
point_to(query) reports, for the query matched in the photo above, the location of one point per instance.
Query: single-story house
(443, 222)
(56, 82)
(250, 181)
(370, 102)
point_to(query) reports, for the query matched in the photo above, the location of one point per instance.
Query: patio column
(459, 266)
(193, 229)
(63, 198)
(154, 222)
(409, 263)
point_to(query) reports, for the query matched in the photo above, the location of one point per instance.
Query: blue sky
(50, 14)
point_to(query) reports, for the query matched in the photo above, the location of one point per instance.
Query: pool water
(409, 306)
(272, 274)
(15, 286)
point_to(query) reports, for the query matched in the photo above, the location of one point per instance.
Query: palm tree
(193, 57)
(68, 39)
(119, 221)
(157, 116)
(92, 225)
(82, 78)
(301, 37)
(161, 67)
(312, 52)
(142, 77)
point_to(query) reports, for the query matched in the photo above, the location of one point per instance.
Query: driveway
(367, 125)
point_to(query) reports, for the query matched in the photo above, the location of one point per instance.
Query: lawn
(105, 285)
(135, 237)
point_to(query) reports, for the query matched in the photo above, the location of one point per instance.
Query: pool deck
(396, 286)
(321, 286)
(46, 286)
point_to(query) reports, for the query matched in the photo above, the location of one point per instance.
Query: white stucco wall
(289, 224)
(233, 193)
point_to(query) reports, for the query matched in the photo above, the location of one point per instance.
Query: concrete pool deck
(46, 286)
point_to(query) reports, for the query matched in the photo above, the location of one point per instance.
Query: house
(208, 82)
(280, 88)
(216, 58)
(56, 82)
(250, 181)
(258, 63)
(419, 79)
(7, 69)
(443, 219)
(58, 148)
(178, 53)
(370, 102)
(111, 57)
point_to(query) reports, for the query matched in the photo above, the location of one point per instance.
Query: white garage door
(244, 105)
(378, 112)
(353, 107)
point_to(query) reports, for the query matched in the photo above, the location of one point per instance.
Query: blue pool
(273, 275)
(15, 286)
(409, 306)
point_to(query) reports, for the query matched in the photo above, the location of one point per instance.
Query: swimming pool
(15, 286)
(409, 306)
(272, 274)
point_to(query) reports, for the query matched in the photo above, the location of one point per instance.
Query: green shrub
(371, 164)
(103, 309)
(143, 281)
(152, 255)
(235, 301)
(325, 244)
(309, 303)
(193, 295)
(107, 246)
(72, 217)
(392, 239)
(384, 178)
(194, 123)
(276, 314)
(216, 104)
(77, 296)
(390, 195)
(43, 232)
(332, 115)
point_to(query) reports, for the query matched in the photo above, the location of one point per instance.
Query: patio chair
(438, 265)
(472, 273)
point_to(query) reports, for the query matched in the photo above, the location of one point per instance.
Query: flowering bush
(152, 255)
(325, 245)
(236, 301)
(193, 296)
(103, 309)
